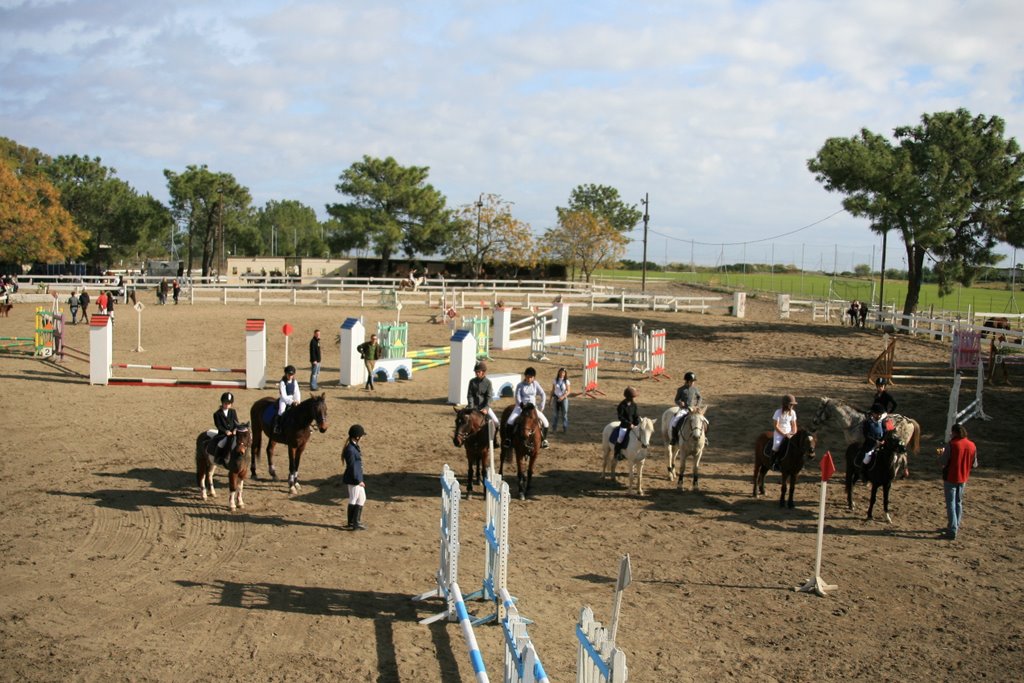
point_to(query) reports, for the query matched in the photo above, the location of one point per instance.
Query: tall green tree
(207, 207)
(290, 228)
(485, 233)
(392, 207)
(604, 202)
(34, 226)
(951, 186)
(118, 220)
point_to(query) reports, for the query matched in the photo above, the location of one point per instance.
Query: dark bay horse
(880, 472)
(798, 450)
(472, 433)
(238, 464)
(525, 435)
(295, 432)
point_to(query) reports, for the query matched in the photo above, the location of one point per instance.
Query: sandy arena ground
(114, 569)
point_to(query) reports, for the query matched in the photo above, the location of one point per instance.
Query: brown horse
(525, 436)
(798, 450)
(472, 433)
(881, 471)
(995, 323)
(238, 464)
(295, 432)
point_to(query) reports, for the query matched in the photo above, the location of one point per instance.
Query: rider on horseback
(629, 417)
(687, 398)
(288, 396)
(478, 395)
(528, 392)
(876, 426)
(883, 396)
(785, 427)
(226, 422)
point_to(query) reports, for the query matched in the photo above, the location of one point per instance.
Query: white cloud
(712, 108)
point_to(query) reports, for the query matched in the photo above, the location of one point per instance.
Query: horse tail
(915, 440)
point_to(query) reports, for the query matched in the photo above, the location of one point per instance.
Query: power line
(763, 239)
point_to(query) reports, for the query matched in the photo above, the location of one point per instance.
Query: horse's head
(462, 426)
(696, 424)
(320, 412)
(644, 431)
(805, 442)
(822, 414)
(243, 438)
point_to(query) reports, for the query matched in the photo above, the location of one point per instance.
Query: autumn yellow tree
(485, 233)
(583, 241)
(33, 224)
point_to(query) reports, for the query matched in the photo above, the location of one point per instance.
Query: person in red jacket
(958, 458)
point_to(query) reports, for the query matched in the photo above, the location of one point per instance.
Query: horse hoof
(203, 495)
(293, 489)
(241, 505)
(273, 475)
(231, 507)
(888, 519)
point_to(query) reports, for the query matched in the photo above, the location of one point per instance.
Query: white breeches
(356, 495)
(281, 405)
(683, 412)
(776, 441)
(517, 410)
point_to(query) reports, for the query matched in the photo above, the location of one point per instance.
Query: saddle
(216, 453)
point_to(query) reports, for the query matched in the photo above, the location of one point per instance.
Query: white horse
(692, 437)
(637, 451)
(851, 421)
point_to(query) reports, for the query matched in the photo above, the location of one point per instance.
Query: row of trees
(67, 207)
(951, 187)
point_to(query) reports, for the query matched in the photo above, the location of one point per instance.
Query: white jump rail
(522, 663)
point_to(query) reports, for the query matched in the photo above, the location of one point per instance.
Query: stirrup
(544, 443)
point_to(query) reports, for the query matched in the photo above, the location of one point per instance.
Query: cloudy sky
(711, 107)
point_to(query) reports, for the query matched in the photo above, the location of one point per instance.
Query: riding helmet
(480, 367)
(530, 372)
(789, 400)
(356, 431)
(689, 377)
(630, 392)
(227, 397)
(881, 382)
(289, 370)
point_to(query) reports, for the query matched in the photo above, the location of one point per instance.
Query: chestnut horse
(237, 467)
(295, 432)
(882, 470)
(798, 450)
(525, 436)
(471, 432)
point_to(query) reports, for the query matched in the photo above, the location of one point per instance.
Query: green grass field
(992, 298)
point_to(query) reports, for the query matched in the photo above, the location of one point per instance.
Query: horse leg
(885, 501)
(270, 459)
(233, 488)
(782, 496)
(671, 461)
(792, 490)
(696, 471)
(849, 489)
(521, 479)
(241, 485)
(640, 477)
(874, 494)
(293, 469)
(529, 474)
(201, 480)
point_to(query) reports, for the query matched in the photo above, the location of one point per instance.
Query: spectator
(353, 477)
(370, 352)
(314, 361)
(958, 458)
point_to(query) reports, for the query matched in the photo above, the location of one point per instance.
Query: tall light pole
(220, 228)
(647, 217)
(479, 260)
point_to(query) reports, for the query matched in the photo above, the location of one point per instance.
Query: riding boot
(544, 437)
(619, 455)
(675, 433)
(351, 514)
(276, 429)
(358, 525)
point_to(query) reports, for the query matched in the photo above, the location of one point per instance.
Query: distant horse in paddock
(798, 450)
(882, 470)
(237, 467)
(5, 309)
(693, 438)
(995, 323)
(472, 433)
(295, 432)
(851, 420)
(637, 451)
(525, 436)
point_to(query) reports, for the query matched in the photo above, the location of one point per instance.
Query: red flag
(828, 468)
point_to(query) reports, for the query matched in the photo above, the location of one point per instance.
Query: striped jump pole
(475, 657)
(448, 570)
(496, 503)
(176, 368)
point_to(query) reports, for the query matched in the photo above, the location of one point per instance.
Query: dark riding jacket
(353, 457)
(629, 415)
(368, 351)
(886, 400)
(225, 423)
(478, 395)
(689, 396)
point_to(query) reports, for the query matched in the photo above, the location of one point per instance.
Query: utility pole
(647, 217)
(479, 259)
(220, 228)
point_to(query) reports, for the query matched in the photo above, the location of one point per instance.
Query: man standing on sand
(314, 361)
(958, 458)
(370, 352)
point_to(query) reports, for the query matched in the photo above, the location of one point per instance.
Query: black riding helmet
(689, 377)
(227, 397)
(289, 370)
(480, 367)
(530, 372)
(356, 432)
(881, 382)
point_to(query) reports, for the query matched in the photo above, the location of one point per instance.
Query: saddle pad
(210, 433)
(269, 412)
